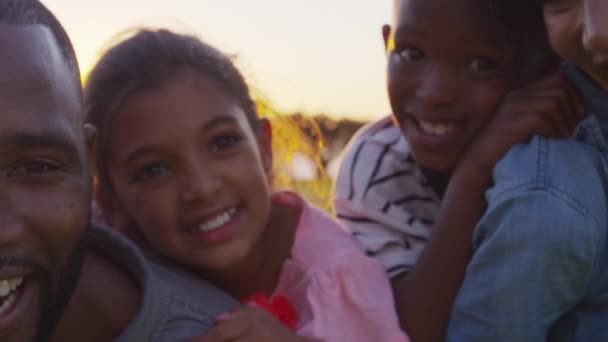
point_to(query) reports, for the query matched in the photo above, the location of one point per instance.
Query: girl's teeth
(436, 129)
(217, 222)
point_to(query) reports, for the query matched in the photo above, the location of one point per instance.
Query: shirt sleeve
(352, 301)
(390, 234)
(534, 255)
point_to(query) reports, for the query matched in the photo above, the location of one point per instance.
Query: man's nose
(595, 26)
(12, 223)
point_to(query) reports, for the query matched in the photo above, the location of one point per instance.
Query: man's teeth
(436, 128)
(216, 222)
(7, 303)
(8, 293)
(9, 285)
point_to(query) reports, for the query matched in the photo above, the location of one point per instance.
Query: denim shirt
(540, 265)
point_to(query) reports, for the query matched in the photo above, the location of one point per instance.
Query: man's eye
(34, 168)
(150, 172)
(410, 54)
(224, 142)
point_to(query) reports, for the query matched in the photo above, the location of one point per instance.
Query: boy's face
(449, 68)
(45, 184)
(578, 30)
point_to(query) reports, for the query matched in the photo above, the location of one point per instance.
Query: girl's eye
(35, 168)
(410, 54)
(223, 142)
(150, 172)
(482, 64)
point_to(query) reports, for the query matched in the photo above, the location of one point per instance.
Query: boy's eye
(410, 54)
(150, 172)
(223, 142)
(482, 64)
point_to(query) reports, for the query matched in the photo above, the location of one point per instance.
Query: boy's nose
(595, 29)
(436, 89)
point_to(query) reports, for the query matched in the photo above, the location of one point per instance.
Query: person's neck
(437, 180)
(105, 300)
(261, 271)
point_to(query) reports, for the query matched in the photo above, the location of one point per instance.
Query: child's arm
(249, 324)
(425, 295)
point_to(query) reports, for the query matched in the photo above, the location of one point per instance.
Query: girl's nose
(200, 183)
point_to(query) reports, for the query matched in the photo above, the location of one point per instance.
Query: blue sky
(314, 55)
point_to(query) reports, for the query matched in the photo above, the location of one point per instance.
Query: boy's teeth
(217, 222)
(435, 128)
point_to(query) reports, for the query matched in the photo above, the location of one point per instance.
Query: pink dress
(339, 293)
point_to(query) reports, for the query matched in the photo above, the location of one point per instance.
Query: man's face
(45, 186)
(578, 30)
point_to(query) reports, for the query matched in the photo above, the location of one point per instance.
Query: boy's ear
(386, 36)
(90, 139)
(265, 143)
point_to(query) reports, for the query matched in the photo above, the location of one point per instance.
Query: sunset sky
(317, 56)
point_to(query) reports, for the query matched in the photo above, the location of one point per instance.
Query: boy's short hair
(32, 12)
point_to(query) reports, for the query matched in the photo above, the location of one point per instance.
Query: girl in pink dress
(184, 168)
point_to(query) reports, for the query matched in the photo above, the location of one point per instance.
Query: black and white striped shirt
(383, 197)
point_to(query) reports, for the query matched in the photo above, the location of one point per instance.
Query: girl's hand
(549, 107)
(249, 324)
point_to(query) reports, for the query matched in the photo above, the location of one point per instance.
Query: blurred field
(300, 137)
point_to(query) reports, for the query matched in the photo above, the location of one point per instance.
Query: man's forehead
(31, 58)
(34, 72)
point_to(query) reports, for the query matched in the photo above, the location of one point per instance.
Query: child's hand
(249, 324)
(549, 107)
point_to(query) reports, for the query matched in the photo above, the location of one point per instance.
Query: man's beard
(55, 304)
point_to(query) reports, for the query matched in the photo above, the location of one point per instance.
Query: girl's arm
(425, 295)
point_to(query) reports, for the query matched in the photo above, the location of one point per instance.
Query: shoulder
(570, 170)
(377, 153)
(322, 241)
(374, 138)
(554, 189)
(175, 305)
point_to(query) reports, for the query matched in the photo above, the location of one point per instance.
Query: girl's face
(578, 30)
(449, 69)
(190, 173)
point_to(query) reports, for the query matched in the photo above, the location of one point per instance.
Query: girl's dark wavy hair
(143, 62)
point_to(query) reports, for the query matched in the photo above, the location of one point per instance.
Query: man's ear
(265, 143)
(386, 36)
(90, 139)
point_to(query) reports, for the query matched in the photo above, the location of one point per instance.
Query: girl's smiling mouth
(213, 223)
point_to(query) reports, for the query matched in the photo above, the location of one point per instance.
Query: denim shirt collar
(594, 128)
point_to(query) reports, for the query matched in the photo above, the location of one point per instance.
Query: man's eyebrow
(49, 140)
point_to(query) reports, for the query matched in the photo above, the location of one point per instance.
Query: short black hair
(33, 12)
